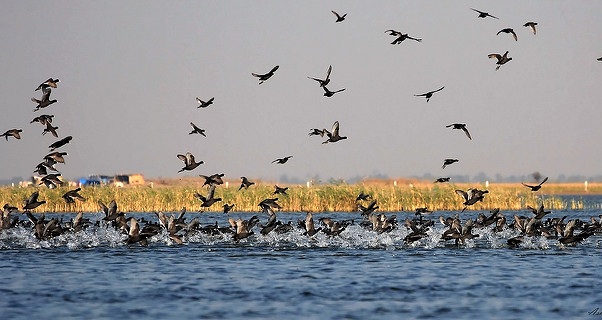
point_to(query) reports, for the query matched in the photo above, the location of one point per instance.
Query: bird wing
(336, 14)
(335, 128)
(462, 193)
(544, 180)
(328, 72)
(466, 131)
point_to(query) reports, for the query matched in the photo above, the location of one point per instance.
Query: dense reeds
(318, 198)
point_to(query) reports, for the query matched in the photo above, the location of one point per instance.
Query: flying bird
(535, 187)
(57, 157)
(280, 190)
(32, 202)
(471, 196)
(43, 119)
(334, 135)
(282, 160)
(72, 195)
(531, 25)
(197, 130)
(60, 143)
(326, 80)
(510, 31)
(48, 83)
(429, 94)
(44, 101)
(442, 180)
(227, 207)
(501, 59)
(447, 162)
(460, 126)
(189, 162)
(401, 37)
(328, 93)
(212, 180)
(51, 129)
(339, 17)
(209, 200)
(245, 183)
(266, 76)
(204, 104)
(484, 14)
(15, 133)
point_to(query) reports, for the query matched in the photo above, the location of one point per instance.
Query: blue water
(358, 275)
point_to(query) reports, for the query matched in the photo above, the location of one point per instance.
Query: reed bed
(319, 198)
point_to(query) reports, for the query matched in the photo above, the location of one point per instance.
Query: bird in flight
(326, 80)
(334, 135)
(197, 130)
(48, 83)
(50, 128)
(16, 133)
(43, 119)
(328, 93)
(266, 76)
(45, 100)
(501, 59)
(460, 126)
(401, 37)
(189, 162)
(510, 31)
(204, 104)
(484, 14)
(245, 183)
(60, 143)
(535, 187)
(447, 162)
(429, 94)
(340, 18)
(282, 160)
(531, 25)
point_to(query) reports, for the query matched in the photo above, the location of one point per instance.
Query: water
(358, 275)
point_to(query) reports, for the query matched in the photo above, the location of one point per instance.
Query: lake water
(360, 274)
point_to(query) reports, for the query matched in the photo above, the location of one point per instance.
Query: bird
(362, 196)
(501, 59)
(531, 25)
(599, 59)
(245, 183)
(227, 207)
(209, 200)
(471, 196)
(429, 94)
(72, 195)
(539, 212)
(43, 119)
(48, 83)
(328, 93)
(15, 133)
(326, 80)
(309, 225)
(282, 160)
(44, 101)
(508, 30)
(401, 37)
(197, 130)
(52, 180)
(392, 32)
(266, 76)
(484, 14)
(204, 104)
(442, 180)
(242, 227)
(214, 179)
(50, 128)
(189, 162)
(32, 202)
(447, 162)
(461, 126)
(535, 187)
(269, 203)
(340, 18)
(334, 135)
(60, 143)
(57, 157)
(280, 190)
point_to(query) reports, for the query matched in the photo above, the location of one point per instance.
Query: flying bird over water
(204, 104)
(401, 37)
(32, 202)
(326, 80)
(197, 130)
(339, 17)
(535, 187)
(266, 76)
(209, 200)
(213, 180)
(72, 195)
(501, 59)
(447, 162)
(484, 14)
(280, 190)
(15, 133)
(52, 180)
(48, 83)
(429, 94)
(60, 143)
(245, 183)
(282, 160)
(334, 135)
(471, 196)
(531, 25)
(510, 31)
(460, 126)
(189, 162)
(328, 93)
(227, 207)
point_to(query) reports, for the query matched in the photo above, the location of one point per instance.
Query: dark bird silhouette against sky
(429, 94)
(340, 18)
(265, 76)
(460, 126)
(197, 130)
(510, 31)
(282, 160)
(535, 187)
(501, 59)
(531, 25)
(483, 14)
(334, 135)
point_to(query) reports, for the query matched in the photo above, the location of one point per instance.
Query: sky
(130, 72)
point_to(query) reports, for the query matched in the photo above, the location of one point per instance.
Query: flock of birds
(178, 228)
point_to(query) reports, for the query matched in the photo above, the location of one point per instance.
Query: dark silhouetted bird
(245, 183)
(531, 25)
(60, 143)
(282, 160)
(227, 207)
(43, 119)
(510, 31)
(214, 179)
(266, 76)
(447, 162)
(362, 196)
(72, 195)
(15, 133)
(280, 190)
(535, 187)
(209, 200)
(339, 17)
(471, 196)
(50, 128)
(204, 104)
(48, 83)
(539, 212)
(442, 180)
(44, 101)
(501, 59)
(326, 80)
(189, 162)
(32, 202)
(57, 157)
(484, 14)
(429, 94)
(328, 93)
(197, 130)
(334, 135)
(461, 126)
(52, 180)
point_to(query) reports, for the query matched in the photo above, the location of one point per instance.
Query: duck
(15, 133)
(325, 81)
(366, 211)
(245, 183)
(189, 162)
(539, 212)
(57, 157)
(242, 227)
(52, 180)
(214, 179)
(50, 128)
(209, 200)
(282, 160)
(44, 101)
(197, 130)
(471, 196)
(264, 77)
(442, 180)
(60, 143)
(362, 196)
(531, 25)
(227, 207)
(429, 94)
(334, 135)
(32, 202)
(309, 226)
(204, 104)
(269, 203)
(501, 59)
(403, 36)
(340, 18)
(510, 31)
(72, 195)
(535, 187)
(43, 119)
(483, 14)
(448, 161)
(280, 190)
(460, 126)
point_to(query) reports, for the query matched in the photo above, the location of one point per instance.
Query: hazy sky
(130, 72)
